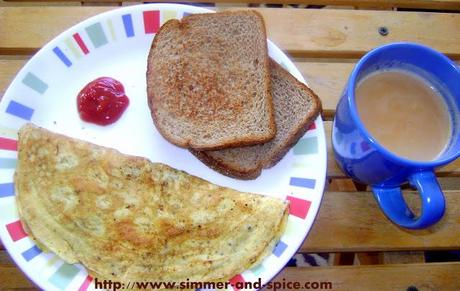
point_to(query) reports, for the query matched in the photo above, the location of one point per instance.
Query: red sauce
(102, 101)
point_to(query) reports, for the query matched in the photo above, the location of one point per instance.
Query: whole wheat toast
(208, 81)
(296, 108)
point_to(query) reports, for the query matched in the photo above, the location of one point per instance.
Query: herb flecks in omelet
(125, 218)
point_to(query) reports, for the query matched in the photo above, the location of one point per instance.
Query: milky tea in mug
(405, 113)
(396, 122)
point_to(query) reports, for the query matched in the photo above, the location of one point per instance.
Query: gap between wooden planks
(424, 277)
(300, 32)
(353, 222)
(432, 276)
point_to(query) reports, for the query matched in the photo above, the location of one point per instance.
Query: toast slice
(208, 81)
(296, 108)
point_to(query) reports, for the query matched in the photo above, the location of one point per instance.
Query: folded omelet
(128, 219)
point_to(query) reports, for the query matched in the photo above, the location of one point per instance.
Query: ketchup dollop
(102, 101)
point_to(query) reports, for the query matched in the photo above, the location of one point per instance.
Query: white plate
(116, 44)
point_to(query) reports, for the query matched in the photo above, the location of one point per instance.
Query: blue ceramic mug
(363, 159)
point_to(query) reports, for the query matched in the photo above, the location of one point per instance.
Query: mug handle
(395, 208)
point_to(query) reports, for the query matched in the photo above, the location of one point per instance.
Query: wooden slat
(8, 70)
(449, 183)
(433, 276)
(348, 33)
(20, 33)
(11, 278)
(312, 33)
(352, 221)
(327, 79)
(101, 3)
(425, 4)
(4, 3)
(424, 277)
(5, 259)
(358, 224)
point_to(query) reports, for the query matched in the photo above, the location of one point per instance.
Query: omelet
(128, 219)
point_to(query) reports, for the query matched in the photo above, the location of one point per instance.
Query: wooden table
(325, 44)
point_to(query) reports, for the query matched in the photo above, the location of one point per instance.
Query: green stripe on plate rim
(96, 34)
(111, 29)
(8, 132)
(306, 146)
(70, 44)
(64, 275)
(9, 209)
(257, 270)
(35, 83)
(8, 163)
(167, 15)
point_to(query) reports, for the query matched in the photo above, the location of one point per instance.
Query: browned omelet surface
(126, 218)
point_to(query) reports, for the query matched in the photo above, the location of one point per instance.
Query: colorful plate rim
(70, 44)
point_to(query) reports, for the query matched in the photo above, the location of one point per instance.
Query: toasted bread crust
(246, 139)
(223, 168)
(233, 170)
(302, 127)
(150, 91)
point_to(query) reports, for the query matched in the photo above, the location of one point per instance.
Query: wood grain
(20, 33)
(347, 221)
(351, 33)
(6, 3)
(326, 79)
(312, 33)
(8, 70)
(425, 4)
(352, 221)
(11, 278)
(434, 276)
(5, 259)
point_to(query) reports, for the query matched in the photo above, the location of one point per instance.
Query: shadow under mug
(362, 158)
